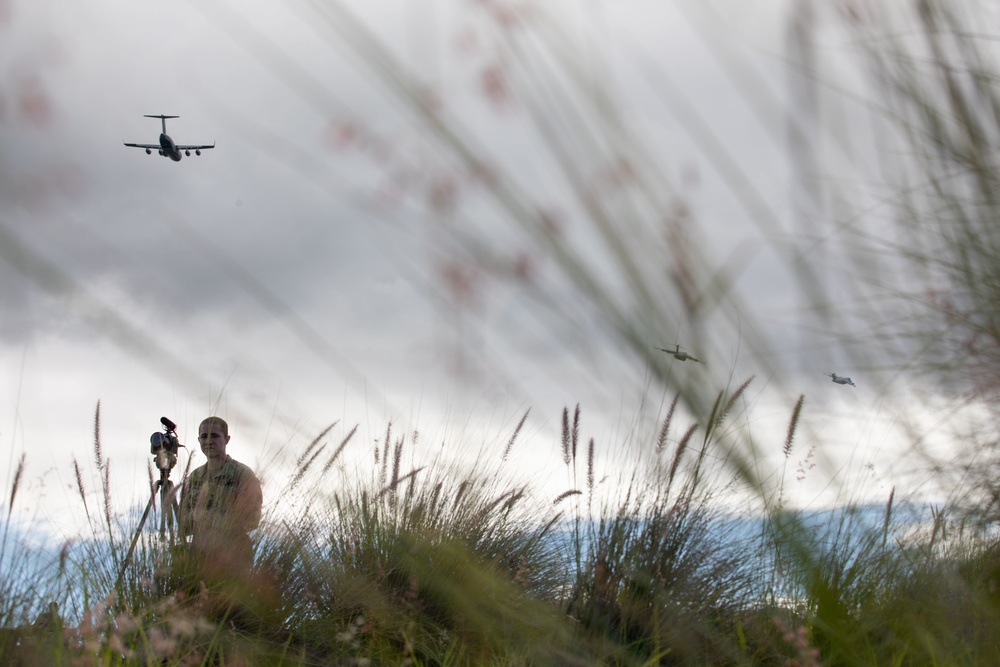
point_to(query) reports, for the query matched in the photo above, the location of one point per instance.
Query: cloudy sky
(335, 258)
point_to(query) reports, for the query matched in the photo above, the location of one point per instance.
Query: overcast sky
(313, 266)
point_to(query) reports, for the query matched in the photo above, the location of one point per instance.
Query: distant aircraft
(681, 356)
(167, 147)
(840, 379)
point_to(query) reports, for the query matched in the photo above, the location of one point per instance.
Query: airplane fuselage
(168, 148)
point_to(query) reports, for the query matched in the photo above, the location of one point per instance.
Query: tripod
(169, 515)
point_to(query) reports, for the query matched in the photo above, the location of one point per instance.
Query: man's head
(213, 436)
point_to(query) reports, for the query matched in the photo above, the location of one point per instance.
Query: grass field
(440, 566)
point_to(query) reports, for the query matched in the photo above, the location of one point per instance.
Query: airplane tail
(163, 119)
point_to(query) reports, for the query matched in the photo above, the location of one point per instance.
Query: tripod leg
(170, 511)
(135, 539)
(175, 529)
(170, 573)
(163, 510)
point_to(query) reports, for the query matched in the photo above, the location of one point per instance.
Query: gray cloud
(305, 269)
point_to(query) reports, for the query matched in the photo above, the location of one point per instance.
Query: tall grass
(437, 564)
(934, 72)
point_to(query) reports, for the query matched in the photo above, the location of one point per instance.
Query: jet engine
(160, 151)
(197, 151)
(188, 153)
(149, 152)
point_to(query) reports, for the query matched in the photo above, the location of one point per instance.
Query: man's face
(213, 441)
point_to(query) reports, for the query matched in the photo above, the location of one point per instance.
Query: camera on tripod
(163, 446)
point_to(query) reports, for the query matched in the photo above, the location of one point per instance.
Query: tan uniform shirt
(220, 507)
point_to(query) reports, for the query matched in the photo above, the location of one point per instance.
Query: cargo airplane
(167, 147)
(840, 379)
(679, 354)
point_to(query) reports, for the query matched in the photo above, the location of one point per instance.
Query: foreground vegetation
(435, 566)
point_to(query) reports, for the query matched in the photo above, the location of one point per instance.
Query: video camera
(163, 446)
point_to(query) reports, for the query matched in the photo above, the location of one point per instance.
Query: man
(220, 504)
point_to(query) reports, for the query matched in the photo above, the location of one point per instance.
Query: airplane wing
(156, 146)
(193, 148)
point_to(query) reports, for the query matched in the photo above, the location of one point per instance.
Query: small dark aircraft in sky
(679, 354)
(840, 379)
(167, 147)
